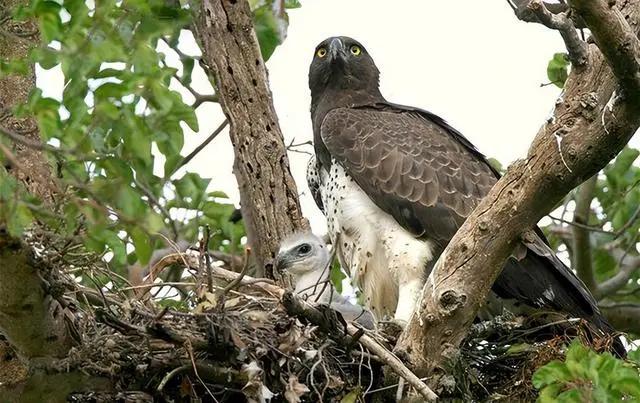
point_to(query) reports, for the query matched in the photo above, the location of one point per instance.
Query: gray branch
(539, 12)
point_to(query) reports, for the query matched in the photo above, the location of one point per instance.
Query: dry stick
(390, 359)
(207, 258)
(234, 283)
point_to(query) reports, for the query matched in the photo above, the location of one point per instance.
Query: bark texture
(31, 320)
(16, 38)
(268, 194)
(592, 122)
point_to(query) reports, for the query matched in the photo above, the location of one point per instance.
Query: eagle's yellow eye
(322, 52)
(355, 50)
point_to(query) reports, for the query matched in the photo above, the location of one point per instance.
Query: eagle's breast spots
(370, 245)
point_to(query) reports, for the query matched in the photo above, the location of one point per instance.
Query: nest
(246, 339)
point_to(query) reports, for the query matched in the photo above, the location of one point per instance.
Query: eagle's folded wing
(410, 167)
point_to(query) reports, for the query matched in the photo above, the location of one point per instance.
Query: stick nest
(241, 343)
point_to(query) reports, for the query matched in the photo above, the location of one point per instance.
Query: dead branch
(561, 22)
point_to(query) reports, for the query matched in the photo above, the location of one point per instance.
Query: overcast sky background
(471, 62)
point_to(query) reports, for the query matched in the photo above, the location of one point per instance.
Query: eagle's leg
(408, 294)
(408, 257)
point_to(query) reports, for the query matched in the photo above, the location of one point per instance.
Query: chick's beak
(280, 263)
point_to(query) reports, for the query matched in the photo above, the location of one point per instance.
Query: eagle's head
(342, 63)
(302, 253)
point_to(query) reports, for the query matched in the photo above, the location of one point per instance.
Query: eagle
(307, 258)
(396, 182)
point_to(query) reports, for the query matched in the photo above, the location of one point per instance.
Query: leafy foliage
(117, 133)
(586, 376)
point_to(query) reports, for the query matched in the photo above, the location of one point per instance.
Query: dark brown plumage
(424, 173)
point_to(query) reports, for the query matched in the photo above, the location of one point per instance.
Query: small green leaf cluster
(618, 195)
(557, 69)
(586, 376)
(271, 22)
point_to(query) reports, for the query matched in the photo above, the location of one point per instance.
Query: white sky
(471, 62)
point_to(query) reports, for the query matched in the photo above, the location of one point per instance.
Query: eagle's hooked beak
(337, 51)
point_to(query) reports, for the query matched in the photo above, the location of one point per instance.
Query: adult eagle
(396, 182)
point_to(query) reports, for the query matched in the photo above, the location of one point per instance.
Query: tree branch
(576, 47)
(582, 259)
(616, 39)
(624, 317)
(205, 143)
(567, 150)
(627, 264)
(268, 194)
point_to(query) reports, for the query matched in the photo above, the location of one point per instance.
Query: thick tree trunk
(268, 194)
(592, 121)
(30, 318)
(15, 41)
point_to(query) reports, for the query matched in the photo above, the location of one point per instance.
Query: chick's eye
(355, 50)
(322, 52)
(304, 249)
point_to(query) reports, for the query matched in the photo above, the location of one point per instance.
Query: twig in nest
(195, 369)
(207, 258)
(295, 305)
(170, 375)
(235, 282)
(388, 358)
(313, 370)
(210, 373)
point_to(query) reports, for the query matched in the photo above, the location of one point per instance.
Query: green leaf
(292, 4)
(622, 163)
(634, 356)
(187, 69)
(336, 276)
(570, 396)
(351, 397)
(46, 57)
(192, 186)
(111, 90)
(16, 66)
(48, 13)
(154, 222)
(142, 244)
(266, 26)
(171, 163)
(629, 385)
(554, 371)
(520, 348)
(495, 164)
(185, 113)
(557, 69)
(549, 393)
